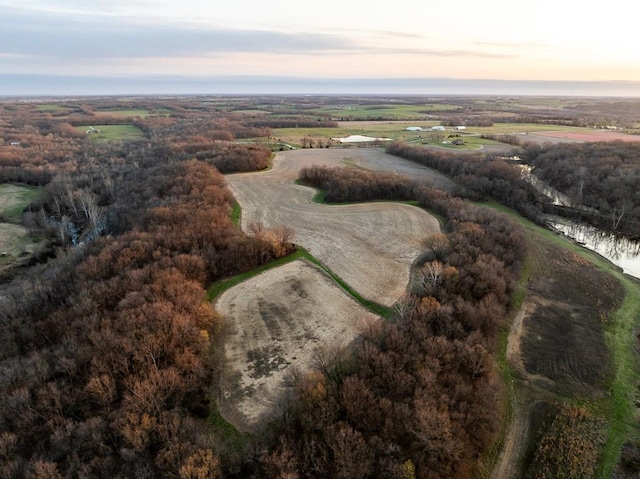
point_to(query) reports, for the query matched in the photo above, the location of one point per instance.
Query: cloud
(440, 52)
(69, 36)
(518, 45)
(75, 36)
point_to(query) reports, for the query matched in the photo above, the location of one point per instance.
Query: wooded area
(601, 179)
(422, 393)
(107, 340)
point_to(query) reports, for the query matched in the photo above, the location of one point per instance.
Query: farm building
(413, 128)
(461, 127)
(437, 128)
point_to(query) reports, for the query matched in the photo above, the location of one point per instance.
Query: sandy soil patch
(371, 246)
(274, 321)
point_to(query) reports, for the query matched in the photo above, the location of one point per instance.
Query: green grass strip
(219, 287)
(370, 305)
(236, 213)
(624, 390)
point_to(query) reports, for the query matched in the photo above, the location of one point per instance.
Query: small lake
(621, 251)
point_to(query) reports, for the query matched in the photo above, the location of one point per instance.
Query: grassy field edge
(620, 335)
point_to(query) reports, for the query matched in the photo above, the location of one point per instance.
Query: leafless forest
(110, 346)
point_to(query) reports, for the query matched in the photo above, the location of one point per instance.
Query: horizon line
(14, 85)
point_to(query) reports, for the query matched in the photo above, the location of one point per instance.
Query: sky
(317, 44)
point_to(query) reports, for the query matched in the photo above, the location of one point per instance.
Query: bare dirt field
(274, 321)
(578, 136)
(371, 246)
(282, 317)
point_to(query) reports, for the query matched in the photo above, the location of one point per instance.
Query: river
(620, 250)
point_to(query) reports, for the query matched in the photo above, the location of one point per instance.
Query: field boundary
(219, 287)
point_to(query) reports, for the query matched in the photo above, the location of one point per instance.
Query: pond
(621, 251)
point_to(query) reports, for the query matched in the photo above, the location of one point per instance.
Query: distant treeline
(421, 396)
(510, 139)
(303, 122)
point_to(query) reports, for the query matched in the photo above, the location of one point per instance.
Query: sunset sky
(321, 41)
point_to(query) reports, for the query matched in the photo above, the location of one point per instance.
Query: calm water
(621, 251)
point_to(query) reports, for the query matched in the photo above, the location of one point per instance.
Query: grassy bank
(618, 405)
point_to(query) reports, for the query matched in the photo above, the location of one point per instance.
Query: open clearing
(274, 321)
(283, 316)
(371, 246)
(14, 198)
(101, 133)
(13, 238)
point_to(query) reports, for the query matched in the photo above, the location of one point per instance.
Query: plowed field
(281, 318)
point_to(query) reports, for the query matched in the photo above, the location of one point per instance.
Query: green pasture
(125, 112)
(399, 112)
(471, 142)
(112, 132)
(14, 199)
(397, 131)
(13, 241)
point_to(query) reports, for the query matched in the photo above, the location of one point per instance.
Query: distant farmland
(102, 133)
